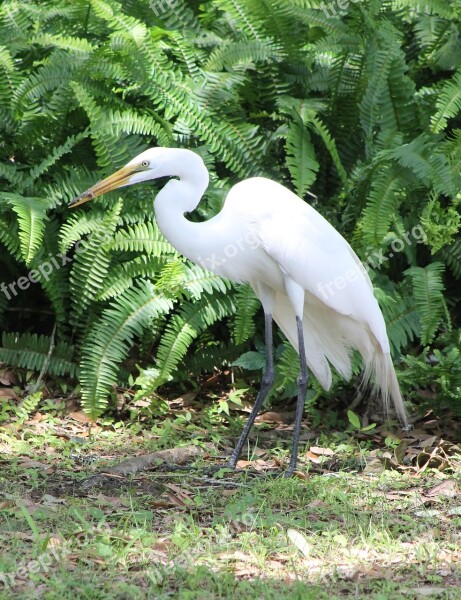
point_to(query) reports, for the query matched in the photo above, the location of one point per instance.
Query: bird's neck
(178, 197)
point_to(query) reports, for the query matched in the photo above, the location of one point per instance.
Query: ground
(369, 513)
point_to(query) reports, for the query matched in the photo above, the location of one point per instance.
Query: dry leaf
(142, 403)
(374, 466)
(313, 457)
(270, 417)
(427, 590)
(29, 463)
(80, 416)
(183, 400)
(445, 488)
(300, 541)
(162, 546)
(428, 513)
(7, 377)
(317, 503)
(321, 451)
(50, 500)
(7, 393)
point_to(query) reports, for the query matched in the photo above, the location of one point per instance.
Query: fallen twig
(131, 466)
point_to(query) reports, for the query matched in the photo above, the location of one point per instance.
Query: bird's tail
(381, 371)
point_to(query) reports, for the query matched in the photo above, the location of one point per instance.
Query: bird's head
(151, 164)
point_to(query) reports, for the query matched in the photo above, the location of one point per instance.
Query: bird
(307, 277)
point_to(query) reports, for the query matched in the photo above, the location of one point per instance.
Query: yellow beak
(114, 181)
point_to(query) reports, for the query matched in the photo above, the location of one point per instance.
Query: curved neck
(180, 196)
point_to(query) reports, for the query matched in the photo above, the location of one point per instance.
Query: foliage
(438, 376)
(357, 112)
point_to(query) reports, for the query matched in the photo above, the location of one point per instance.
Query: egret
(306, 275)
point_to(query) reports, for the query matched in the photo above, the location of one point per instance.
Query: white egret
(307, 277)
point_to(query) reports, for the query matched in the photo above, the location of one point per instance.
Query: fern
(31, 213)
(402, 318)
(110, 339)
(383, 201)
(91, 265)
(448, 103)
(184, 328)
(142, 237)
(30, 351)
(301, 159)
(28, 406)
(428, 294)
(246, 306)
(452, 256)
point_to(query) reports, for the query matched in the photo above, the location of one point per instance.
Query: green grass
(183, 535)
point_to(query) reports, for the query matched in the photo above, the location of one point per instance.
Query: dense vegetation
(358, 111)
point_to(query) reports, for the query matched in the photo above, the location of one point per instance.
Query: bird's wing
(313, 254)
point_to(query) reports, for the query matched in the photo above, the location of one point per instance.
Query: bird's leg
(302, 388)
(267, 381)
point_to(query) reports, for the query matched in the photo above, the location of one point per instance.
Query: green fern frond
(184, 327)
(242, 54)
(53, 157)
(91, 264)
(10, 239)
(301, 159)
(428, 288)
(9, 77)
(448, 103)
(401, 316)
(330, 144)
(31, 214)
(113, 14)
(197, 281)
(452, 256)
(383, 201)
(30, 351)
(208, 357)
(120, 277)
(111, 337)
(80, 223)
(71, 44)
(142, 237)
(246, 304)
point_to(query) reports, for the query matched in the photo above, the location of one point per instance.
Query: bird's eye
(145, 163)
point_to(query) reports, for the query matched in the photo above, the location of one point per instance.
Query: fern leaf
(301, 160)
(110, 338)
(184, 328)
(246, 306)
(91, 264)
(428, 291)
(383, 201)
(30, 351)
(31, 213)
(448, 103)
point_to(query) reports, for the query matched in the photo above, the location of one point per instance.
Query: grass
(335, 531)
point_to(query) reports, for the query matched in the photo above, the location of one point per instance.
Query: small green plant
(356, 423)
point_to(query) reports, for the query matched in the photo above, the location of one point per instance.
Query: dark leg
(268, 380)
(302, 388)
